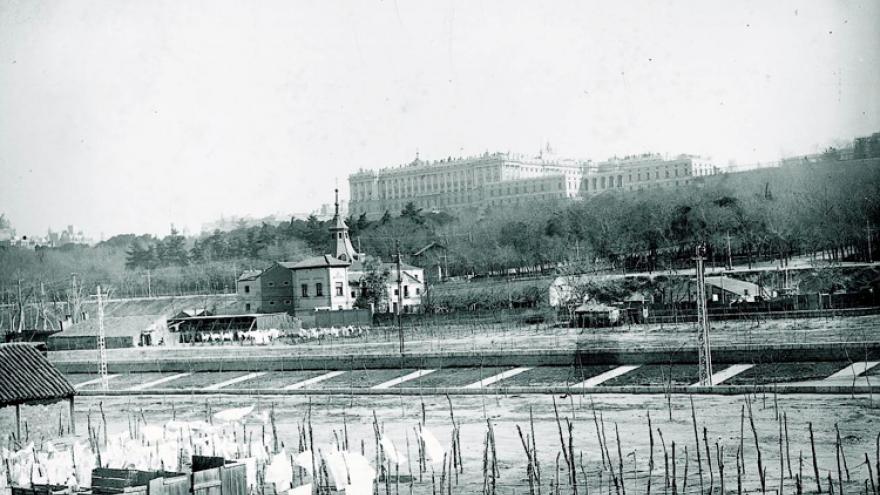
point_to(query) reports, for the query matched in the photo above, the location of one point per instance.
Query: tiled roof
(315, 262)
(736, 286)
(249, 275)
(114, 326)
(28, 377)
(433, 244)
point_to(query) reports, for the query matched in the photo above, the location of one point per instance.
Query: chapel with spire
(343, 250)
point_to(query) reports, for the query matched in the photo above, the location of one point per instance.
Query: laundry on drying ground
(69, 462)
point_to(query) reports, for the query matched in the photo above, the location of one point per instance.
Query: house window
(286, 283)
(247, 307)
(305, 290)
(339, 291)
(405, 291)
(396, 292)
(319, 289)
(287, 302)
(418, 290)
(271, 303)
(247, 289)
(271, 284)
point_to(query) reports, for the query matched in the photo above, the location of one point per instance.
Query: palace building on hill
(499, 179)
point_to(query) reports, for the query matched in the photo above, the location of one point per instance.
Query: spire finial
(336, 191)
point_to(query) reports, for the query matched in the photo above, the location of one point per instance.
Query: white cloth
(390, 451)
(304, 460)
(234, 414)
(84, 461)
(336, 465)
(152, 433)
(361, 474)
(250, 470)
(433, 450)
(279, 471)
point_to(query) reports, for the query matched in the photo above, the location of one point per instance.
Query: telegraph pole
(729, 256)
(20, 309)
(705, 349)
(102, 347)
(868, 229)
(399, 298)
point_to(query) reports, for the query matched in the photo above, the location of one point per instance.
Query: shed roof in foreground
(27, 377)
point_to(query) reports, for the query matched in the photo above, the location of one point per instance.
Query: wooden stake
(697, 443)
(815, 462)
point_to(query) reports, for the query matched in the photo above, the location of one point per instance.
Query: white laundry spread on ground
(433, 450)
(85, 461)
(361, 474)
(304, 460)
(336, 467)
(390, 451)
(234, 414)
(279, 471)
(163, 448)
(250, 470)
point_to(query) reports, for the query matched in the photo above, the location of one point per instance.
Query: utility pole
(399, 298)
(729, 256)
(43, 304)
(20, 309)
(73, 306)
(102, 347)
(868, 228)
(705, 349)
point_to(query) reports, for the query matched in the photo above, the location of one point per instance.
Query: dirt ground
(857, 417)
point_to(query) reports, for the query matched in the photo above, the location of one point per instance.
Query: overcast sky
(128, 115)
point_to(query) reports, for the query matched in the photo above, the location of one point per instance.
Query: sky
(127, 116)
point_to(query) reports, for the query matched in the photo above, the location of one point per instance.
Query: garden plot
(875, 371)
(274, 380)
(767, 373)
(199, 380)
(125, 380)
(553, 376)
(79, 380)
(454, 377)
(658, 374)
(361, 378)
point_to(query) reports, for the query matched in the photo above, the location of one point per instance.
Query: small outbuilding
(593, 314)
(119, 332)
(726, 290)
(28, 378)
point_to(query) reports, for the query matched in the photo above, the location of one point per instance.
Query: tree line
(824, 209)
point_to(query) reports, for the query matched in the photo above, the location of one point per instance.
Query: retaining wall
(776, 353)
(503, 391)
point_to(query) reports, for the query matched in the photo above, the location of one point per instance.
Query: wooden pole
(18, 423)
(72, 425)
